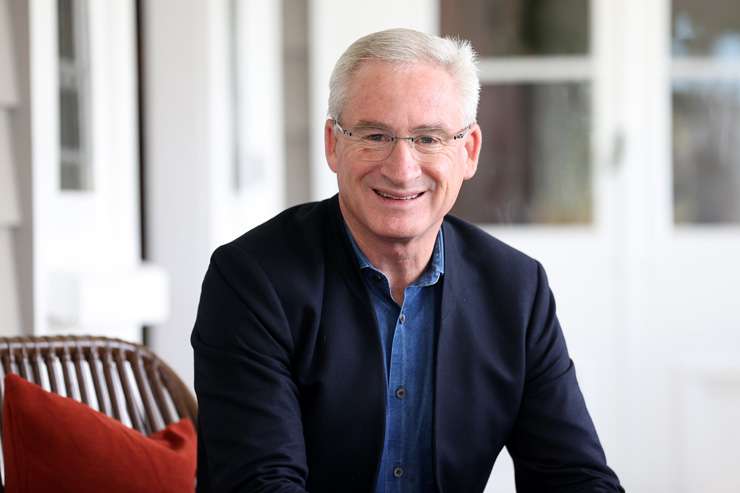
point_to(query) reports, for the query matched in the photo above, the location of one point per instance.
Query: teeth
(396, 197)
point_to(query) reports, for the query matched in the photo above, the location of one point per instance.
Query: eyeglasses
(376, 144)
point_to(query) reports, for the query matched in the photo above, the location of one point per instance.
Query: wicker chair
(126, 381)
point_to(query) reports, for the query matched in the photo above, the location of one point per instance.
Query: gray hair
(406, 46)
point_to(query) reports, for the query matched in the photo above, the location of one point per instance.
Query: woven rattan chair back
(124, 380)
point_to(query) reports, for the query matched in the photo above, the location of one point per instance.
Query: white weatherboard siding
(9, 207)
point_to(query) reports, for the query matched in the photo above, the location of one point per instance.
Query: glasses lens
(429, 144)
(378, 153)
(372, 144)
(381, 152)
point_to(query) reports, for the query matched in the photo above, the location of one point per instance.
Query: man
(370, 342)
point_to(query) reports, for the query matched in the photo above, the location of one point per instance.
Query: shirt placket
(396, 395)
(401, 392)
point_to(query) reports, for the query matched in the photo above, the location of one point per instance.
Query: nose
(402, 167)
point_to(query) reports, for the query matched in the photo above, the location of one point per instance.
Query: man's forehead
(410, 96)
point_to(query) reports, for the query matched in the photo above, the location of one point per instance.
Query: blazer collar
(341, 255)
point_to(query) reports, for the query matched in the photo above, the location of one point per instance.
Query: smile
(391, 196)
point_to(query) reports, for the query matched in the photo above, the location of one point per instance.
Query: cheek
(353, 174)
(444, 174)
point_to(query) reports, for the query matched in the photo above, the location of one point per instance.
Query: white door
(549, 173)
(611, 154)
(88, 275)
(683, 344)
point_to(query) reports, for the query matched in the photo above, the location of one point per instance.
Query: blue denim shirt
(407, 335)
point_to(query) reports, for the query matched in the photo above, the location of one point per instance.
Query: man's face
(404, 197)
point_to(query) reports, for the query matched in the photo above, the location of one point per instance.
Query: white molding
(44, 143)
(705, 69)
(707, 395)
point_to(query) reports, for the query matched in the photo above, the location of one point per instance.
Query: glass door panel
(520, 28)
(706, 151)
(535, 110)
(705, 28)
(705, 97)
(75, 172)
(535, 162)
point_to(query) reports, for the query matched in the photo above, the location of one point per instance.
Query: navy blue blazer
(290, 380)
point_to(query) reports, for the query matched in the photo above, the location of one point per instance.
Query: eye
(427, 140)
(376, 138)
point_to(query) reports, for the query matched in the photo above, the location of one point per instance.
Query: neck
(401, 260)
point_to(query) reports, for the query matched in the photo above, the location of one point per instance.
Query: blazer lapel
(360, 333)
(453, 292)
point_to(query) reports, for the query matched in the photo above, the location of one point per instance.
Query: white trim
(705, 69)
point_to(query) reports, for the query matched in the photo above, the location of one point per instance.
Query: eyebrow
(372, 124)
(434, 127)
(427, 127)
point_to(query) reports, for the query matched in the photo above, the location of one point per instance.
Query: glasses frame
(411, 139)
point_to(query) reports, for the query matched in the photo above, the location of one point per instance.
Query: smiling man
(372, 343)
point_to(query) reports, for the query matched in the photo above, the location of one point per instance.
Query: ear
(330, 144)
(473, 142)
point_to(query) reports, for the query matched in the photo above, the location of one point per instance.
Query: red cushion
(54, 443)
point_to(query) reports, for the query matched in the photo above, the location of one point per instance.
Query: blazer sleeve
(554, 445)
(249, 420)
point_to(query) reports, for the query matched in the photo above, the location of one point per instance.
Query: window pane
(519, 27)
(65, 26)
(706, 28)
(72, 177)
(69, 119)
(706, 152)
(73, 96)
(535, 162)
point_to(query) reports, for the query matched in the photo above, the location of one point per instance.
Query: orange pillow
(54, 443)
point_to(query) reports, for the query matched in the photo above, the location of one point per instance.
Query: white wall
(191, 205)
(9, 198)
(21, 134)
(178, 146)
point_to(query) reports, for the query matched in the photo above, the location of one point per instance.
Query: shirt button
(400, 392)
(398, 471)
(402, 318)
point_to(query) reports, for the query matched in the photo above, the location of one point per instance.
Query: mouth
(398, 196)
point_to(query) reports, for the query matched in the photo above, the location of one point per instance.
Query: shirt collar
(434, 270)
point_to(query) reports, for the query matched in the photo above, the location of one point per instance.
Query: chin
(399, 233)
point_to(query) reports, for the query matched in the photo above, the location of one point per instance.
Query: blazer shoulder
(286, 248)
(304, 222)
(296, 231)
(480, 249)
